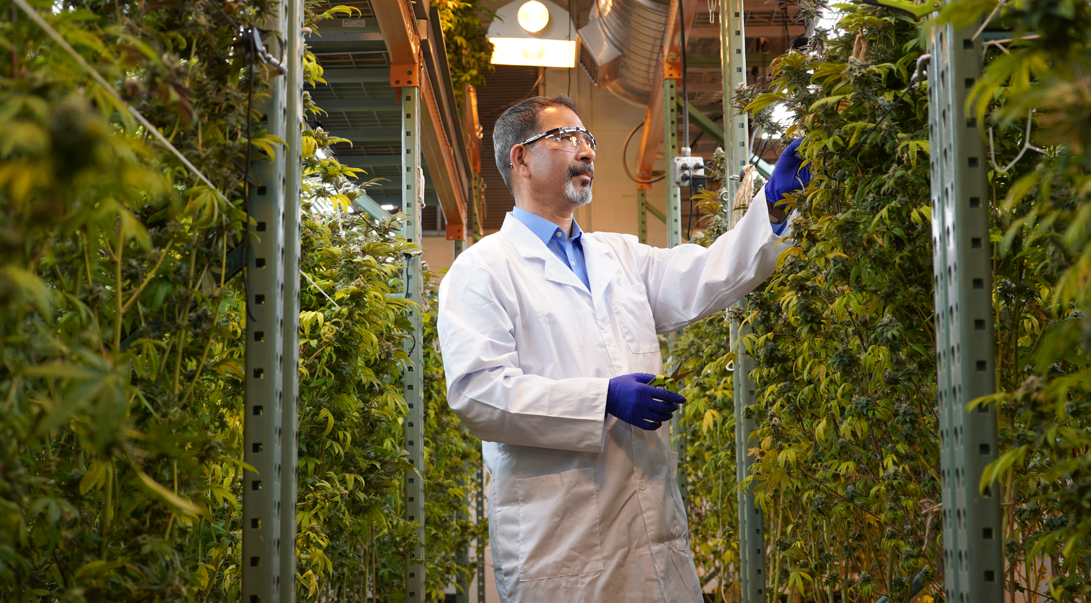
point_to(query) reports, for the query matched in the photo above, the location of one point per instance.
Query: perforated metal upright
(480, 544)
(674, 238)
(642, 214)
(973, 545)
(293, 193)
(733, 62)
(736, 158)
(670, 151)
(413, 377)
(261, 499)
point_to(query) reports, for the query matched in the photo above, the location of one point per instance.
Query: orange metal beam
(440, 155)
(399, 29)
(670, 66)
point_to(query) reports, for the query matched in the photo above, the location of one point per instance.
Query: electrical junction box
(689, 171)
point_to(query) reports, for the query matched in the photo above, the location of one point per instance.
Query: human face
(559, 167)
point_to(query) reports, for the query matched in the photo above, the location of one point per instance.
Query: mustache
(580, 170)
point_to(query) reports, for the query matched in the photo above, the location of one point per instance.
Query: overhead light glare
(534, 53)
(387, 207)
(533, 16)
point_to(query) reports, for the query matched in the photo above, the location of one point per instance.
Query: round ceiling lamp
(533, 16)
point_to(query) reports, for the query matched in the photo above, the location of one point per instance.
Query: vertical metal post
(736, 157)
(674, 238)
(670, 151)
(413, 380)
(973, 537)
(642, 214)
(480, 544)
(293, 193)
(751, 532)
(733, 62)
(263, 403)
(462, 560)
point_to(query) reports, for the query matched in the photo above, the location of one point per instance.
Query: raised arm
(689, 282)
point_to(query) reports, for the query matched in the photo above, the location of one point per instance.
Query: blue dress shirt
(567, 249)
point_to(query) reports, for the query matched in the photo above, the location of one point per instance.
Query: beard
(580, 195)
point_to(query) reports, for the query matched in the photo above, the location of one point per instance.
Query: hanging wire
(1022, 150)
(311, 281)
(685, 95)
(625, 164)
(988, 19)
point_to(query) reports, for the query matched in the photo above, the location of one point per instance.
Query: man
(549, 340)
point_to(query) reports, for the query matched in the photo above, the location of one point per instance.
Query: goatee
(579, 195)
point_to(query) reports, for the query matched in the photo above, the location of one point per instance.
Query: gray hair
(519, 123)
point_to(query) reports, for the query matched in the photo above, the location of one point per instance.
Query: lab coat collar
(531, 247)
(543, 228)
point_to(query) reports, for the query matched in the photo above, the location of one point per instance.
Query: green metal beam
(356, 75)
(371, 207)
(374, 135)
(712, 61)
(703, 122)
(369, 161)
(413, 376)
(966, 368)
(359, 104)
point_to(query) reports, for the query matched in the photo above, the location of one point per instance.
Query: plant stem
(118, 292)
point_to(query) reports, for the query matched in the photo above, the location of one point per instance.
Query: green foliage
(113, 299)
(469, 52)
(121, 339)
(846, 442)
(1043, 289)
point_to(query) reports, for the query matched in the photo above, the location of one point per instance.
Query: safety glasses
(569, 138)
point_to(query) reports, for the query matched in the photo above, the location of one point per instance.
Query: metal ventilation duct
(621, 44)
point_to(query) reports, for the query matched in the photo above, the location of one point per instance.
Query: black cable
(685, 95)
(625, 165)
(570, 17)
(246, 177)
(685, 109)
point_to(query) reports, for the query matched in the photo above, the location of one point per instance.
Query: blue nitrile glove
(789, 175)
(631, 399)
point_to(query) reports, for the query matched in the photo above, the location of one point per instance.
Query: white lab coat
(583, 507)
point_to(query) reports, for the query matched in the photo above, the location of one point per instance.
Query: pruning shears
(670, 383)
(918, 11)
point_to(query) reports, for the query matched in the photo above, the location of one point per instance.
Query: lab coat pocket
(675, 514)
(558, 525)
(634, 316)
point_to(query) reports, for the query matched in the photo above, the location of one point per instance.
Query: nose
(585, 152)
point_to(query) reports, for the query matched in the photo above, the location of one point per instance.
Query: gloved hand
(631, 399)
(789, 175)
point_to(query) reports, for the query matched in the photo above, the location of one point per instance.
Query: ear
(519, 159)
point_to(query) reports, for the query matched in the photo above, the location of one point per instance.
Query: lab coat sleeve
(689, 282)
(486, 387)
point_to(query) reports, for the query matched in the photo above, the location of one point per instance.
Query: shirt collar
(542, 228)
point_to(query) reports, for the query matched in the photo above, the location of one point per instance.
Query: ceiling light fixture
(535, 33)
